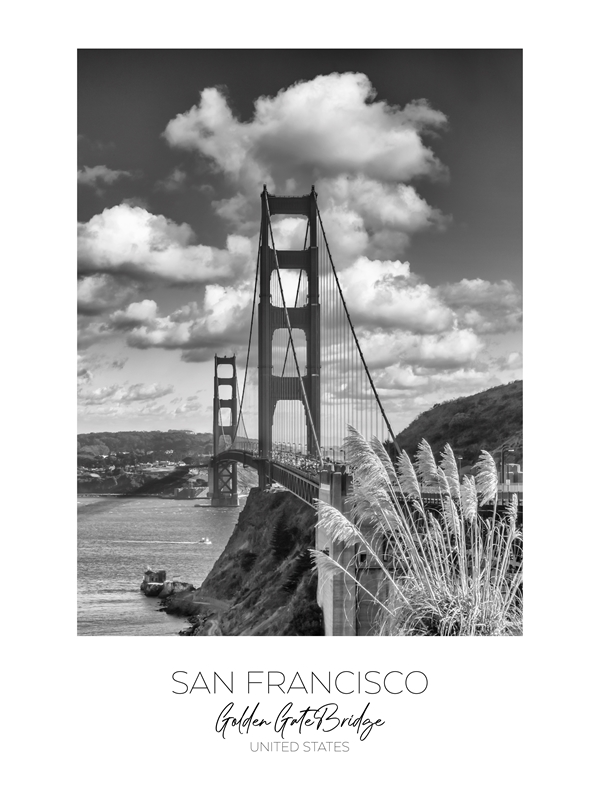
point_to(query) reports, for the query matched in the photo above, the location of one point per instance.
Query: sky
(416, 156)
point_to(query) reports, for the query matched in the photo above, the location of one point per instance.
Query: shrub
(447, 572)
(247, 559)
(283, 538)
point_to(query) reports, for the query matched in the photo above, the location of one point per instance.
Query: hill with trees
(483, 421)
(132, 446)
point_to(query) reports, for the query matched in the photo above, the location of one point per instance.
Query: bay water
(119, 538)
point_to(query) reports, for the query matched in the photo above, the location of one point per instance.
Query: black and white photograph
(300, 343)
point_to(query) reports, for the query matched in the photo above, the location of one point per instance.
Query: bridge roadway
(306, 486)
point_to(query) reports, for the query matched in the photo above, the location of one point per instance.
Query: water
(118, 538)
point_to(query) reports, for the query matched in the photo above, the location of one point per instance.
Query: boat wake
(151, 541)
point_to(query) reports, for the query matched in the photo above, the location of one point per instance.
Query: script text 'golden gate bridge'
(307, 380)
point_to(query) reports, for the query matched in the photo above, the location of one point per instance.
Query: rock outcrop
(155, 584)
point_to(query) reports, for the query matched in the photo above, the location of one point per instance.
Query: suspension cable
(362, 358)
(240, 413)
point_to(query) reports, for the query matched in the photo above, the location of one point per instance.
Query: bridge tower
(273, 388)
(222, 474)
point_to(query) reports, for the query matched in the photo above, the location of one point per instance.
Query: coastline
(182, 600)
(117, 537)
(262, 584)
(128, 496)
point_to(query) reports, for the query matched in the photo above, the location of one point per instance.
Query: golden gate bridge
(305, 382)
(305, 378)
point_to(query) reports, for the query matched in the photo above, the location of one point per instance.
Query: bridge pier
(336, 594)
(222, 484)
(222, 474)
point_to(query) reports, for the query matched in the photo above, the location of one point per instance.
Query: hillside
(264, 577)
(171, 445)
(483, 421)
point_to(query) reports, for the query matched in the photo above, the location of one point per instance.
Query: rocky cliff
(263, 579)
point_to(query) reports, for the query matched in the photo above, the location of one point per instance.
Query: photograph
(300, 343)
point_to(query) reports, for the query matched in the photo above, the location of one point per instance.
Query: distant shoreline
(125, 495)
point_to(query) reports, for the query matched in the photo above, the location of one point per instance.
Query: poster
(123, 723)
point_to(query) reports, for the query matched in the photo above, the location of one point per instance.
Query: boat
(204, 540)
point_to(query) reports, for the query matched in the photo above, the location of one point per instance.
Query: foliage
(173, 445)
(482, 421)
(283, 538)
(298, 568)
(277, 596)
(448, 572)
(247, 559)
(306, 618)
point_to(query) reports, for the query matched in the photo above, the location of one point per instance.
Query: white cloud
(424, 343)
(221, 321)
(381, 294)
(91, 332)
(330, 131)
(97, 294)
(84, 373)
(442, 351)
(393, 212)
(135, 314)
(326, 126)
(100, 176)
(174, 182)
(484, 306)
(130, 241)
(477, 292)
(122, 394)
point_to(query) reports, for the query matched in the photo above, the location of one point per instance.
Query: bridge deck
(305, 484)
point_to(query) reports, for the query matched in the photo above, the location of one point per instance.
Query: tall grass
(446, 571)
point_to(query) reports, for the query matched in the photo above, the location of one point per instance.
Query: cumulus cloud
(381, 293)
(389, 214)
(332, 131)
(423, 342)
(130, 241)
(326, 126)
(484, 306)
(135, 314)
(220, 322)
(442, 351)
(92, 332)
(509, 361)
(399, 318)
(97, 294)
(101, 176)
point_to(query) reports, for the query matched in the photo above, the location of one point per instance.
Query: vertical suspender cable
(240, 413)
(364, 364)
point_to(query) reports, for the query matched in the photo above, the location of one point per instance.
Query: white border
(95, 717)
